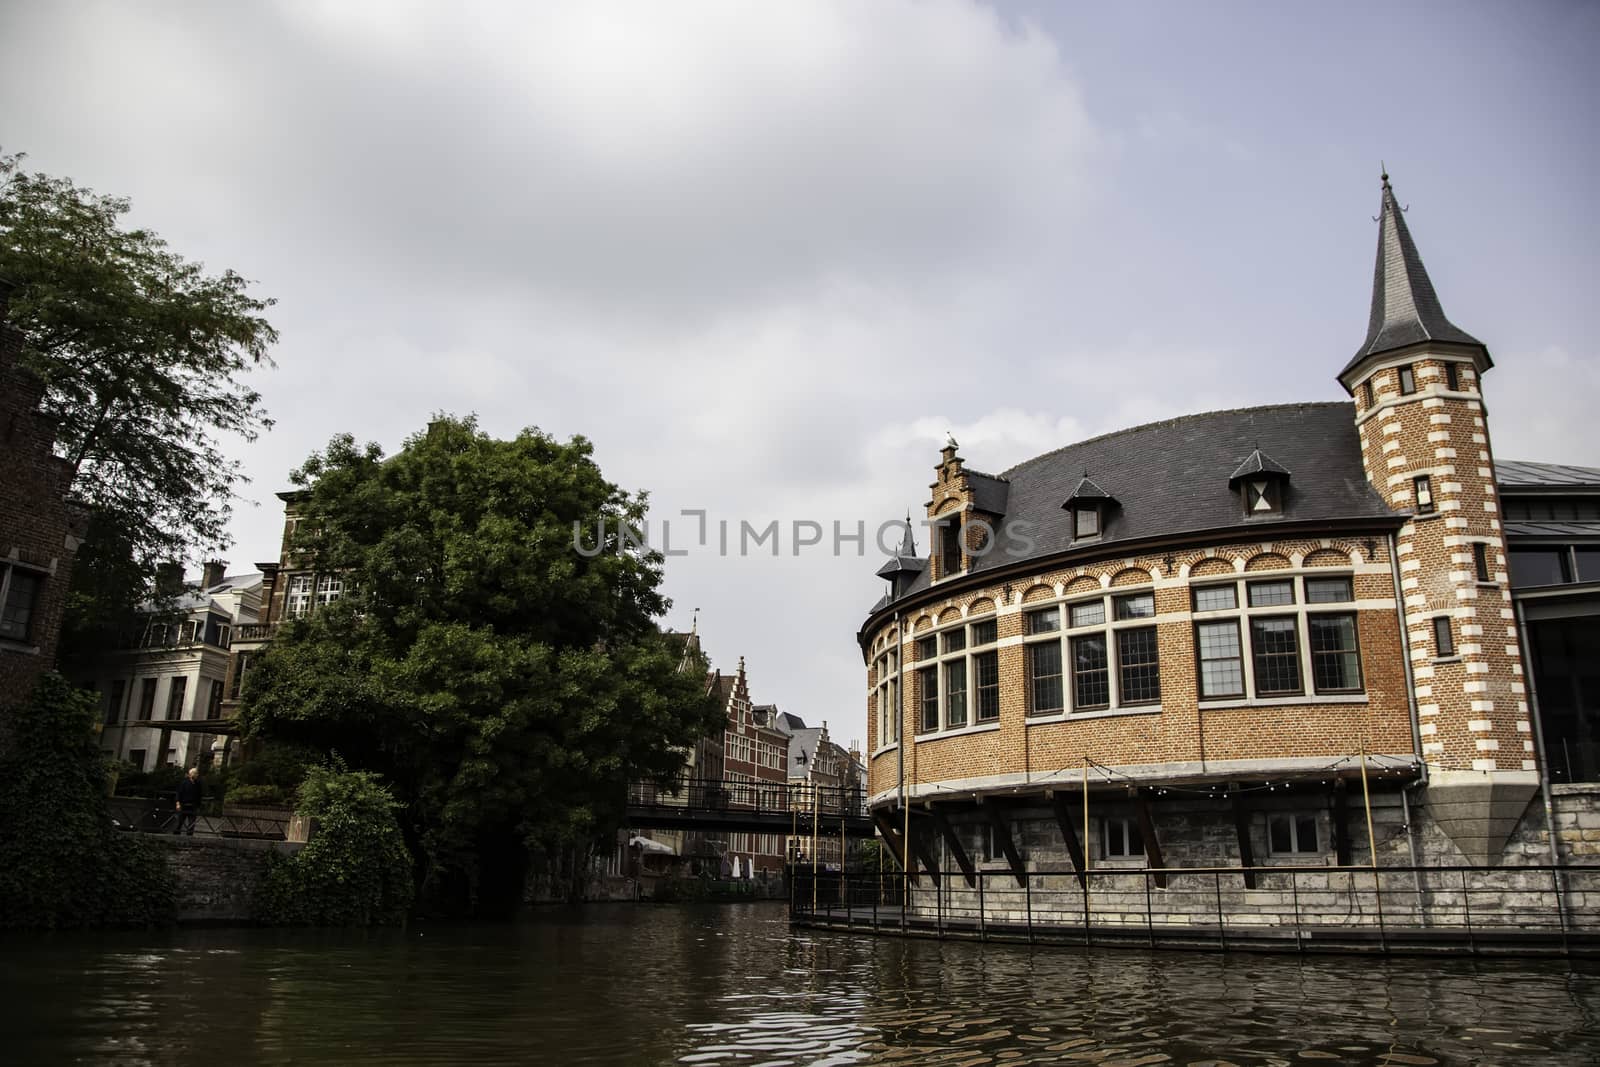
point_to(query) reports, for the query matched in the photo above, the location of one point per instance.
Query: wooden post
(815, 823)
(1366, 799)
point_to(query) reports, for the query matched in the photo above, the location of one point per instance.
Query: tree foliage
(62, 862)
(355, 871)
(143, 355)
(507, 685)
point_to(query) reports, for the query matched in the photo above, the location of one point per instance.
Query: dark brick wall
(39, 529)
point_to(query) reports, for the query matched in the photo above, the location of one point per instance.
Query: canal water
(731, 984)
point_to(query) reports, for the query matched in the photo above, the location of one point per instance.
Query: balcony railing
(253, 631)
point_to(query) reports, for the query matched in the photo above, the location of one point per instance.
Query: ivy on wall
(63, 862)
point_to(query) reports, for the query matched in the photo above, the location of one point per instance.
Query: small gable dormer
(1090, 509)
(1262, 484)
(964, 514)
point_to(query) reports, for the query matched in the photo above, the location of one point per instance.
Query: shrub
(61, 861)
(355, 870)
(247, 795)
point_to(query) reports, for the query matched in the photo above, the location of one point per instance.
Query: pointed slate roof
(1087, 492)
(906, 558)
(1405, 309)
(1258, 462)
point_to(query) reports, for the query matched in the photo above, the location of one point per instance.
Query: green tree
(505, 683)
(143, 355)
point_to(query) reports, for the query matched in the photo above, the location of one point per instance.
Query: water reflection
(724, 985)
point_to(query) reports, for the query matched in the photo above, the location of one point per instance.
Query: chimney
(212, 575)
(169, 579)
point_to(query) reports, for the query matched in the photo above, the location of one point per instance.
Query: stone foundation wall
(218, 878)
(1200, 833)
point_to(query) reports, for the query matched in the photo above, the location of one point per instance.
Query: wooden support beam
(950, 839)
(891, 834)
(1002, 837)
(1058, 804)
(1241, 827)
(1147, 831)
(1341, 824)
(919, 847)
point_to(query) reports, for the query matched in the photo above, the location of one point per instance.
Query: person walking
(188, 803)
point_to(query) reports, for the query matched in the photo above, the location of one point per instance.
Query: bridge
(791, 808)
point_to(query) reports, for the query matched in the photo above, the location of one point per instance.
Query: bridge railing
(800, 799)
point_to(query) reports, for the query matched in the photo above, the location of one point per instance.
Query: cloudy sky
(766, 255)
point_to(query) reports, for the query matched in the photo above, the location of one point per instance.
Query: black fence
(147, 817)
(1511, 910)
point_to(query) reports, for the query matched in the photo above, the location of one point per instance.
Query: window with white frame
(19, 601)
(1292, 834)
(1277, 644)
(1042, 661)
(297, 601)
(1112, 657)
(958, 677)
(330, 587)
(885, 695)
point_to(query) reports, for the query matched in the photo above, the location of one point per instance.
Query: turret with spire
(1425, 448)
(1405, 308)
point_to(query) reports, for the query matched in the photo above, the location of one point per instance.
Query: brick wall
(1184, 731)
(39, 529)
(1472, 705)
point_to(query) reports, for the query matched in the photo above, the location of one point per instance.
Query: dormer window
(1261, 482)
(949, 547)
(1090, 506)
(1085, 523)
(1260, 497)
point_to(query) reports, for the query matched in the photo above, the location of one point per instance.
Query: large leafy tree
(506, 683)
(144, 356)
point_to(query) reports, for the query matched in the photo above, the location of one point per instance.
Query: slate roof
(989, 493)
(1088, 490)
(1258, 462)
(1516, 474)
(1405, 308)
(1171, 478)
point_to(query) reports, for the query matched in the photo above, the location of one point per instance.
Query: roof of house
(1172, 478)
(1405, 308)
(1516, 474)
(802, 750)
(195, 598)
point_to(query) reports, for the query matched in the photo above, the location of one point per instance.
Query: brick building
(40, 528)
(1207, 628)
(755, 757)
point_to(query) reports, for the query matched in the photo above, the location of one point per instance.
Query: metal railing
(760, 798)
(253, 631)
(1532, 909)
(148, 818)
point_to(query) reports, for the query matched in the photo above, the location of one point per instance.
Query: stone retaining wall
(1200, 833)
(218, 877)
